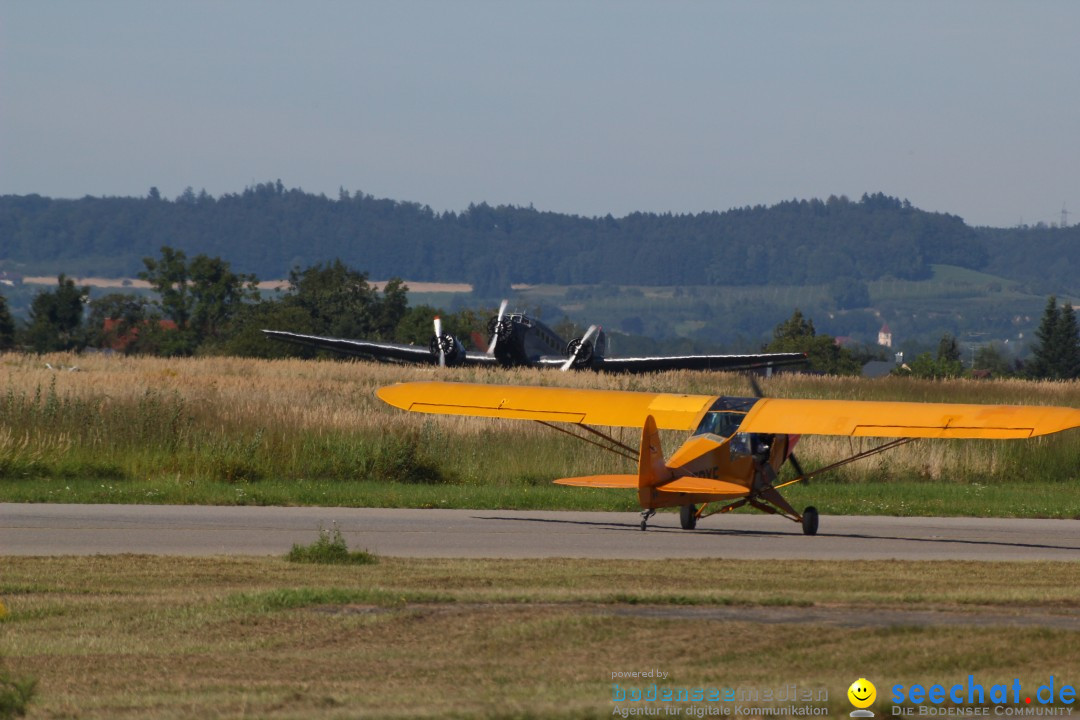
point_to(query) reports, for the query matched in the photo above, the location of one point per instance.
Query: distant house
(884, 336)
(120, 343)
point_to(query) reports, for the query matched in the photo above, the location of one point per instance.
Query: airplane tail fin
(651, 468)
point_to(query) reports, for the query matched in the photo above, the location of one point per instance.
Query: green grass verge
(911, 499)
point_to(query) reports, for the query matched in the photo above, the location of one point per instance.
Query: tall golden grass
(234, 419)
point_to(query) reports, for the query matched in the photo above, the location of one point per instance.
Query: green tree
(7, 326)
(332, 300)
(1069, 339)
(948, 349)
(797, 334)
(217, 293)
(946, 364)
(56, 318)
(115, 319)
(794, 328)
(391, 307)
(1056, 353)
(923, 366)
(341, 302)
(169, 276)
(245, 337)
(417, 325)
(948, 357)
(201, 297)
(993, 358)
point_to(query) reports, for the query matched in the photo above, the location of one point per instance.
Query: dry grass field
(297, 431)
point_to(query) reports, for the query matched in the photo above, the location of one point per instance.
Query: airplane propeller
(791, 456)
(438, 341)
(497, 328)
(444, 346)
(580, 347)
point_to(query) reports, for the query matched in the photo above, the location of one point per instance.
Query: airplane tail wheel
(810, 521)
(688, 517)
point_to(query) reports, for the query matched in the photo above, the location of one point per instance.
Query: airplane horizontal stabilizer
(601, 481)
(690, 485)
(703, 486)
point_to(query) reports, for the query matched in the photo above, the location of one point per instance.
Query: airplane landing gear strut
(645, 515)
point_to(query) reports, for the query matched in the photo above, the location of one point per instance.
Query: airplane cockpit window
(723, 424)
(725, 416)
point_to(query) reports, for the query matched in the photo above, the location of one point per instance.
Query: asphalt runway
(48, 529)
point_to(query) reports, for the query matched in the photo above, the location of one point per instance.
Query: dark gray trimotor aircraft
(519, 340)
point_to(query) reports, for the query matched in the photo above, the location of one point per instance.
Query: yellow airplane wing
(906, 419)
(617, 408)
(613, 408)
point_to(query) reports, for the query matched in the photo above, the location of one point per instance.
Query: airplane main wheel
(688, 517)
(810, 521)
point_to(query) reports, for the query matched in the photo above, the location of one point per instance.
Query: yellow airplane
(737, 444)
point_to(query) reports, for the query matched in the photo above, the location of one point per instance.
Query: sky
(970, 107)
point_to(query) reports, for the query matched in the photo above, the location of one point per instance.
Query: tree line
(268, 229)
(1055, 355)
(203, 307)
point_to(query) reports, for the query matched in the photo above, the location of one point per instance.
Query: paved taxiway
(47, 529)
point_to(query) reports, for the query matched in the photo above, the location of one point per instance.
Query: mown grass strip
(217, 637)
(292, 598)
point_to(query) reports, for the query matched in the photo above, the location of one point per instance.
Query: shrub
(330, 549)
(15, 695)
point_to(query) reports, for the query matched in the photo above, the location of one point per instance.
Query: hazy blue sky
(585, 107)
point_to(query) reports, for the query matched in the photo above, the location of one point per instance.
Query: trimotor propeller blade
(438, 339)
(498, 322)
(579, 349)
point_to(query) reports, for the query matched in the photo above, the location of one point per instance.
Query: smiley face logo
(862, 693)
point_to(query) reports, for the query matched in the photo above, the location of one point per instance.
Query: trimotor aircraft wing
(395, 352)
(906, 419)
(612, 408)
(696, 362)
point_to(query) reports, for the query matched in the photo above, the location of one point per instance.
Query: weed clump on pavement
(330, 549)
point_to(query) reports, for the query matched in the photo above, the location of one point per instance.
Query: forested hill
(268, 229)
